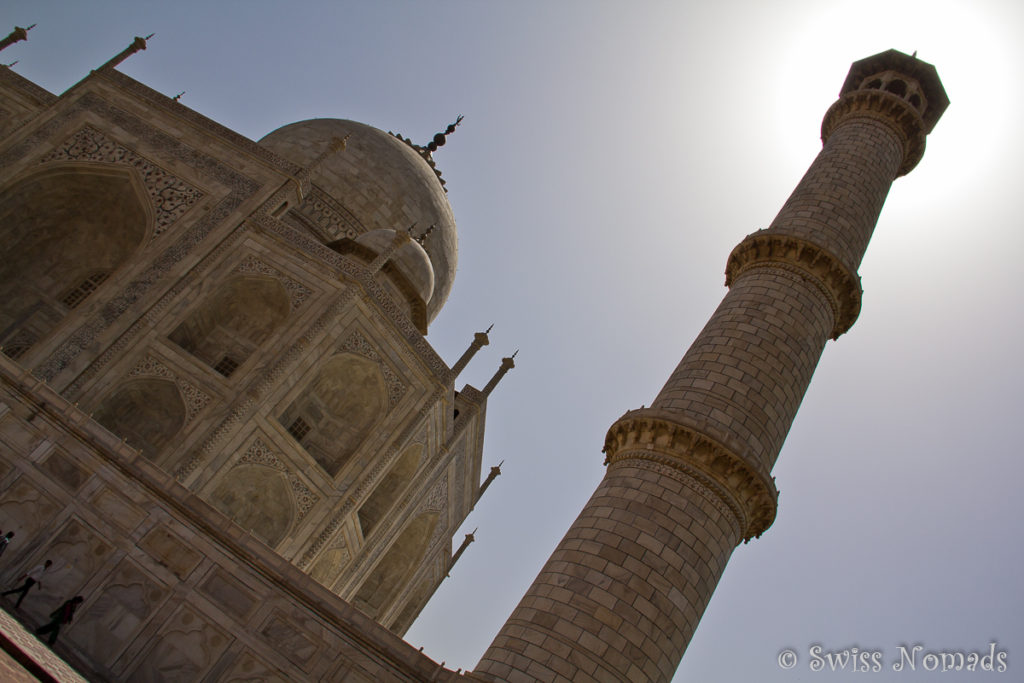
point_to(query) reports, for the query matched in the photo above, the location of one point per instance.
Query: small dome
(384, 184)
(411, 259)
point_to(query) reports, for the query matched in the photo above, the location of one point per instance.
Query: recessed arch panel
(338, 409)
(65, 231)
(148, 413)
(235, 320)
(259, 499)
(390, 489)
(329, 564)
(393, 572)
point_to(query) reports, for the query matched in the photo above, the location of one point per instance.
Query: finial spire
(423, 237)
(136, 45)
(177, 98)
(440, 138)
(480, 339)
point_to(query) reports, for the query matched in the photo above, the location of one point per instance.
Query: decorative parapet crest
(840, 286)
(331, 219)
(888, 108)
(654, 435)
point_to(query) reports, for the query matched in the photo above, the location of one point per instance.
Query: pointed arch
(390, 489)
(234, 321)
(329, 564)
(258, 499)
(148, 413)
(395, 570)
(338, 409)
(65, 231)
(413, 606)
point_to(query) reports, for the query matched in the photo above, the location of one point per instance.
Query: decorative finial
(458, 553)
(495, 473)
(423, 238)
(507, 363)
(13, 63)
(479, 341)
(488, 330)
(16, 35)
(136, 45)
(177, 97)
(914, 55)
(440, 138)
(333, 147)
(515, 354)
(338, 144)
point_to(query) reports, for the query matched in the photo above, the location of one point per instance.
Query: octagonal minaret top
(905, 76)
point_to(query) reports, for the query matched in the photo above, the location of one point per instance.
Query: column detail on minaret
(690, 477)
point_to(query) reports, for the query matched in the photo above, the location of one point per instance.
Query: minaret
(690, 477)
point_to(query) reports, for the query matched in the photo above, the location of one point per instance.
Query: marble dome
(383, 183)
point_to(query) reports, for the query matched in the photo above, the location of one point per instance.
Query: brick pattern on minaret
(689, 477)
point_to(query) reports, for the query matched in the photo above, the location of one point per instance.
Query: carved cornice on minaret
(840, 286)
(655, 435)
(882, 106)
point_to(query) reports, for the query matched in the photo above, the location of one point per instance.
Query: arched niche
(258, 499)
(329, 564)
(148, 412)
(390, 488)
(234, 321)
(338, 409)
(65, 231)
(413, 606)
(393, 572)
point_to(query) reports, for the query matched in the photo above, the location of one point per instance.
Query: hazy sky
(612, 155)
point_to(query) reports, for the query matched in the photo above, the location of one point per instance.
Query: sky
(611, 156)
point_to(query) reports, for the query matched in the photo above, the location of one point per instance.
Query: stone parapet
(834, 280)
(654, 435)
(878, 105)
